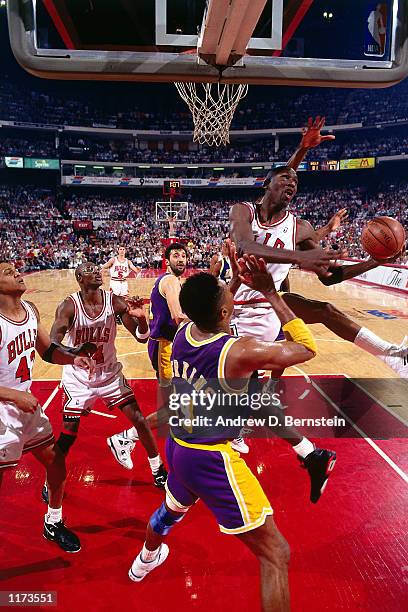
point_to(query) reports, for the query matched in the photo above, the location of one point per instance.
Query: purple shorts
(217, 475)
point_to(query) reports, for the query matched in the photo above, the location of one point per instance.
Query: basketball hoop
(212, 106)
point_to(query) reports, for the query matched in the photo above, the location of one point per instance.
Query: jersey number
(278, 242)
(23, 371)
(98, 355)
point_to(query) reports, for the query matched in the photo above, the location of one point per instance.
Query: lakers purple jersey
(198, 369)
(162, 325)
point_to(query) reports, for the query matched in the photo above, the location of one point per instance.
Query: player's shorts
(79, 398)
(119, 287)
(218, 476)
(21, 432)
(259, 322)
(159, 354)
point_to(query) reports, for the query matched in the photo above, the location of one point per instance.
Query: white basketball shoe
(397, 358)
(121, 449)
(141, 568)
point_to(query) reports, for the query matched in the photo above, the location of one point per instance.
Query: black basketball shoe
(160, 478)
(66, 539)
(319, 463)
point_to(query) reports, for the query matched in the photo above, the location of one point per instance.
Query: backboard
(297, 42)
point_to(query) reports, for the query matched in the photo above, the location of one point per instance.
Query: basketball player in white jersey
(269, 230)
(24, 427)
(91, 314)
(119, 268)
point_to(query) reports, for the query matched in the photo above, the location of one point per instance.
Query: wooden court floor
(336, 356)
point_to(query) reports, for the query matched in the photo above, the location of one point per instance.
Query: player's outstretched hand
(254, 274)
(337, 219)
(86, 364)
(318, 260)
(311, 136)
(26, 402)
(87, 349)
(232, 254)
(135, 307)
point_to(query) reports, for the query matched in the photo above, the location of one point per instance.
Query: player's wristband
(140, 336)
(297, 331)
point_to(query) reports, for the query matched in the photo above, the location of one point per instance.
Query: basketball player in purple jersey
(90, 314)
(24, 427)
(202, 464)
(165, 317)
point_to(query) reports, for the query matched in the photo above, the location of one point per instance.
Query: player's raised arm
(242, 235)
(133, 316)
(311, 138)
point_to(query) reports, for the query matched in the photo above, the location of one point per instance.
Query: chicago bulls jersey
(17, 350)
(279, 235)
(120, 270)
(101, 330)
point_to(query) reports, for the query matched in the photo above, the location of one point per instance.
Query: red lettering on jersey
(106, 334)
(278, 244)
(11, 348)
(78, 336)
(19, 344)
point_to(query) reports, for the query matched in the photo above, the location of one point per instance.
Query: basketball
(383, 237)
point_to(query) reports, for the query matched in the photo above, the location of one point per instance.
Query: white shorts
(78, 398)
(119, 287)
(21, 432)
(259, 322)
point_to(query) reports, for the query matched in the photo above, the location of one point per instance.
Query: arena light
(143, 166)
(192, 167)
(218, 168)
(78, 166)
(168, 167)
(117, 167)
(99, 167)
(256, 167)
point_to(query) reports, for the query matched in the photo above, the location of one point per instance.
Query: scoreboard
(172, 187)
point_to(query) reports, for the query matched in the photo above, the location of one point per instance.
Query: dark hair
(200, 298)
(274, 172)
(175, 246)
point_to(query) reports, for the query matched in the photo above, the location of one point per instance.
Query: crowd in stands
(37, 225)
(80, 148)
(279, 108)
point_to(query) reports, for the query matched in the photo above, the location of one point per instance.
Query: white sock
(304, 448)
(155, 463)
(54, 515)
(130, 434)
(371, 343)
(149, 555)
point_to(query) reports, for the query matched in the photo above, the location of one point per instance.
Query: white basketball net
(212, 106)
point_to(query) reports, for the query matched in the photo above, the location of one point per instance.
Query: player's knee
(162, 520)
(276, 552)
